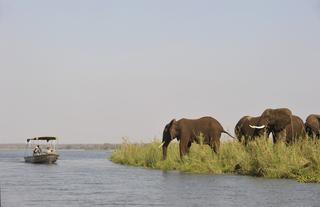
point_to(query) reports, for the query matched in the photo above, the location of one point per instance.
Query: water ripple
(87, 178)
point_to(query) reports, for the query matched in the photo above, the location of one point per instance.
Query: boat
(41, 156)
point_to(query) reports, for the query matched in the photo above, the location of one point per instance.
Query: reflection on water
(87, 178)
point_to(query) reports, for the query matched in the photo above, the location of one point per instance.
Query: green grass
(300, 161)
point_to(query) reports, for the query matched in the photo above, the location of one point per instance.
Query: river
(88, 178)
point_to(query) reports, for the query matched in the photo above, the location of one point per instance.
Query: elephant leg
(279, 136)
(164, 150)
(215, 144)
(310, 132)
(313, 136)
(274, 139)
(183, 145)
(266, 136)
(189, 145)
(247, 139)
(290, 138)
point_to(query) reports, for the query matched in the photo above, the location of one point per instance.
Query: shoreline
(300, 161)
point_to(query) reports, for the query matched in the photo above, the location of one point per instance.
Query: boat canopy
(42, 138)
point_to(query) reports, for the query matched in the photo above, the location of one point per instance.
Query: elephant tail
(228, 134)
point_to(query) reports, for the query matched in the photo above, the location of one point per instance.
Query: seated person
(37, 150)
(49, 150)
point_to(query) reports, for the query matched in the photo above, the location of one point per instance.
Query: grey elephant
(296, 131)
(243, 131)
(281, 123)
(313, 126)
(187, 131)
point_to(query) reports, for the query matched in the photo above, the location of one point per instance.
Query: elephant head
(312, 125)
(243, 131)
(170, 132)
(273, 121)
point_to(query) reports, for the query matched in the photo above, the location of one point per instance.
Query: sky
(98, 71)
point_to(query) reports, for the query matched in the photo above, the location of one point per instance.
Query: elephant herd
(281, 123)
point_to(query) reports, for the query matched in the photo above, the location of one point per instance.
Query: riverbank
(300, 161)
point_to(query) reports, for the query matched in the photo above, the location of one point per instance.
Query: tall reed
(300, 161)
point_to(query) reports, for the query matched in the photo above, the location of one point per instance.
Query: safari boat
(47, 155)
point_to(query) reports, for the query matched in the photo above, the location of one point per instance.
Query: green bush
(300, 161)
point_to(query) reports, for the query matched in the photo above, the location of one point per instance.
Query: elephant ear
(173, 128)
(171, 122)
(282, 119)
(168, 126)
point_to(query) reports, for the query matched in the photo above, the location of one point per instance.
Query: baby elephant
(188, 131)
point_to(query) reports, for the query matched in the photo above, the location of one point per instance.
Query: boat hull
(42, 159)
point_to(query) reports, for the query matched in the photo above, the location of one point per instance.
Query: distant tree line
(105, 146)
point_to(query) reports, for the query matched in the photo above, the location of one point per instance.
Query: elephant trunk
(164, 152)
(164, 145)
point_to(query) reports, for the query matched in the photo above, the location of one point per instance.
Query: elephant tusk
(161, 144)
(257, 127)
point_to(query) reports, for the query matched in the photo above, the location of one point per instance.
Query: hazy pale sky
(95, 71)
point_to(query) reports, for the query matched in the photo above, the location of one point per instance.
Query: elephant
(273, 121)
(281, 123)
(187, 131)
(296, 131)
(243, 130)
(312, 126)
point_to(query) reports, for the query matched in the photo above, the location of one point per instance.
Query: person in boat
(37, 150)
(49, 150)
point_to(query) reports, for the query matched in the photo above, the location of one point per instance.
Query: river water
(88, 178)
